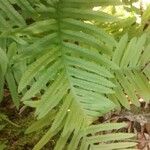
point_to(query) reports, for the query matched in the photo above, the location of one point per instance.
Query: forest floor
(14, 123)
(138, 120)
(12, 134)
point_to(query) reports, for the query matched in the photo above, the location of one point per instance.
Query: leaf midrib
(58, 20)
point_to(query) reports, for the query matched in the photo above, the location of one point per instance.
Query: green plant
(9, 72)
(132, 77)
(77, 70)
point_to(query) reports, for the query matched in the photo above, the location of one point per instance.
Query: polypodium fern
(88, 137)
(132, 77)
(9, 72)
(69, 62)
(79, 84)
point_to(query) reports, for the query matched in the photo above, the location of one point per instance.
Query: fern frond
(69, 67)
(11, 13)
(133, 59)
(7, 70)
